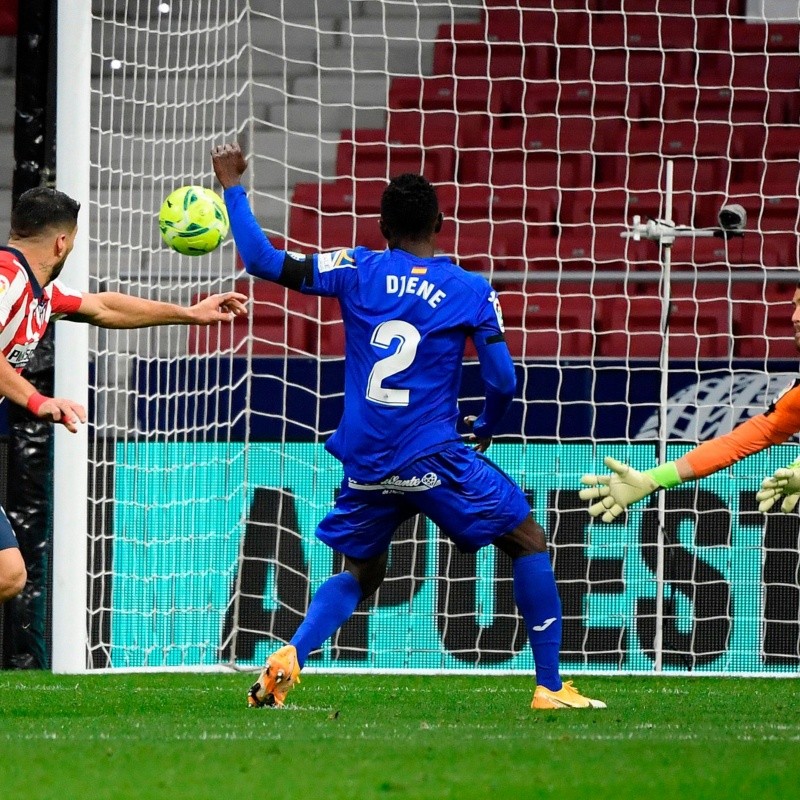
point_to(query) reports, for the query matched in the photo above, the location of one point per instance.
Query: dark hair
(409, 207)
(41, 208)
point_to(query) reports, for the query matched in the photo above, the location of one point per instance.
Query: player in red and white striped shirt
(44, 223)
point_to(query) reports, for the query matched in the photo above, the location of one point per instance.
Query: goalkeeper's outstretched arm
(612, 494)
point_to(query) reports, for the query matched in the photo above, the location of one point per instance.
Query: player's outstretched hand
(219, 308)
(229, 163)
(59, 409)
(617, 491)
(783, 483)
(479, 444)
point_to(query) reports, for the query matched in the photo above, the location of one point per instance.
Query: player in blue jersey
(407, 314)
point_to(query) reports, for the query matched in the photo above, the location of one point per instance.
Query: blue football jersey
(406, 321)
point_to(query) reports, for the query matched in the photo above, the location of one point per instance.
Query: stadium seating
(547, 326)
(763, 321)
(366, 153)
(631, 327)
(545, 126)
(464, 50)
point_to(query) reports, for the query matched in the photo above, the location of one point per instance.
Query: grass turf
(360, 737)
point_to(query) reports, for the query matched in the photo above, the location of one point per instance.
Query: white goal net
(546, 126)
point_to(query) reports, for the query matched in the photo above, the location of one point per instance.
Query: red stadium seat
(643, 32)
(682, 7)
(470, 252)
(547, 326)
(642, 171)
(437, 128)
(464, 49)
(624, 66)
(755, 37)
(614, 208)
(722, 103)
(343, 196)
(279, 325)
(631, 327)
(762, 316)
(774, 216)
(365, 153)
(329, 232)
(440, 93)
(750, 250)
(606, 109)
(481, 201)
(756, 70)
(776, 169)
(327, 327)
(530, 157)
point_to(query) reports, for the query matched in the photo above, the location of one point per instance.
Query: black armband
(498, 337)
(296, 274)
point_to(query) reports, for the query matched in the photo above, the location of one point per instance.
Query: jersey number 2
(383, 336)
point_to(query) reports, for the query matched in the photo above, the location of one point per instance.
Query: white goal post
(546, 126)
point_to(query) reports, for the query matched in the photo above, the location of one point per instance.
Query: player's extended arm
(23, 393)
(497, 371)
(115, 310)
(615, 492)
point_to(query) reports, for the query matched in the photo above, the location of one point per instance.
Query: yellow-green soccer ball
(193, 220)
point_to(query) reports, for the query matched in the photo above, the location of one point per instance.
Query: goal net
(545, 126)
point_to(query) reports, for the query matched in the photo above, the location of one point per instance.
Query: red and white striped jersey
(26, 307)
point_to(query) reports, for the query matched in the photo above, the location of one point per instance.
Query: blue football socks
(332, 605)
(538, 601)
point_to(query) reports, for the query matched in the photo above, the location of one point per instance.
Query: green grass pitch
(359, 737)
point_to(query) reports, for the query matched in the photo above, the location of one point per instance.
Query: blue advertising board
(218, 563)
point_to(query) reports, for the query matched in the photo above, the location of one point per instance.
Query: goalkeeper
(407, 314)
(612, 494)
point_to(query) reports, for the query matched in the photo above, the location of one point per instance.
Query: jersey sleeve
(12, 286)
(774, 426)
(63, 300)
(488, 322)
(334, 273)
(497, 368)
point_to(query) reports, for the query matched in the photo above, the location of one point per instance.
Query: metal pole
(72, 345)
(666, 299)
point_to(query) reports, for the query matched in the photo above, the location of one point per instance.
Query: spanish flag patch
(419, 270)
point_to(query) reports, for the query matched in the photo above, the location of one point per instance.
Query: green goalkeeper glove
(625, 486)
(783, 483)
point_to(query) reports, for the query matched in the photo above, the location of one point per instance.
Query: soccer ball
(193, 220)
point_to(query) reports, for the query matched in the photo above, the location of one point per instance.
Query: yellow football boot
(279, 675)
(566, 697)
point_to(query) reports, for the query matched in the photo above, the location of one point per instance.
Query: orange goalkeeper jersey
(780, 421)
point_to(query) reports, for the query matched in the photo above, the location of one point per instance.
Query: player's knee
(13, 574)
(525, 540)
(369, 573)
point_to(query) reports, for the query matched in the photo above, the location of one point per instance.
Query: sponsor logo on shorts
(430, 480)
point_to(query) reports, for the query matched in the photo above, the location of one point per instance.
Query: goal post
(71, 451)
(545, 126)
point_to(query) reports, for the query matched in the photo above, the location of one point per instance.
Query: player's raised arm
(257, 252)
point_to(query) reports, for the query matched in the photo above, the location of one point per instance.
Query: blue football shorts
(471, 500)
(7, 538)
